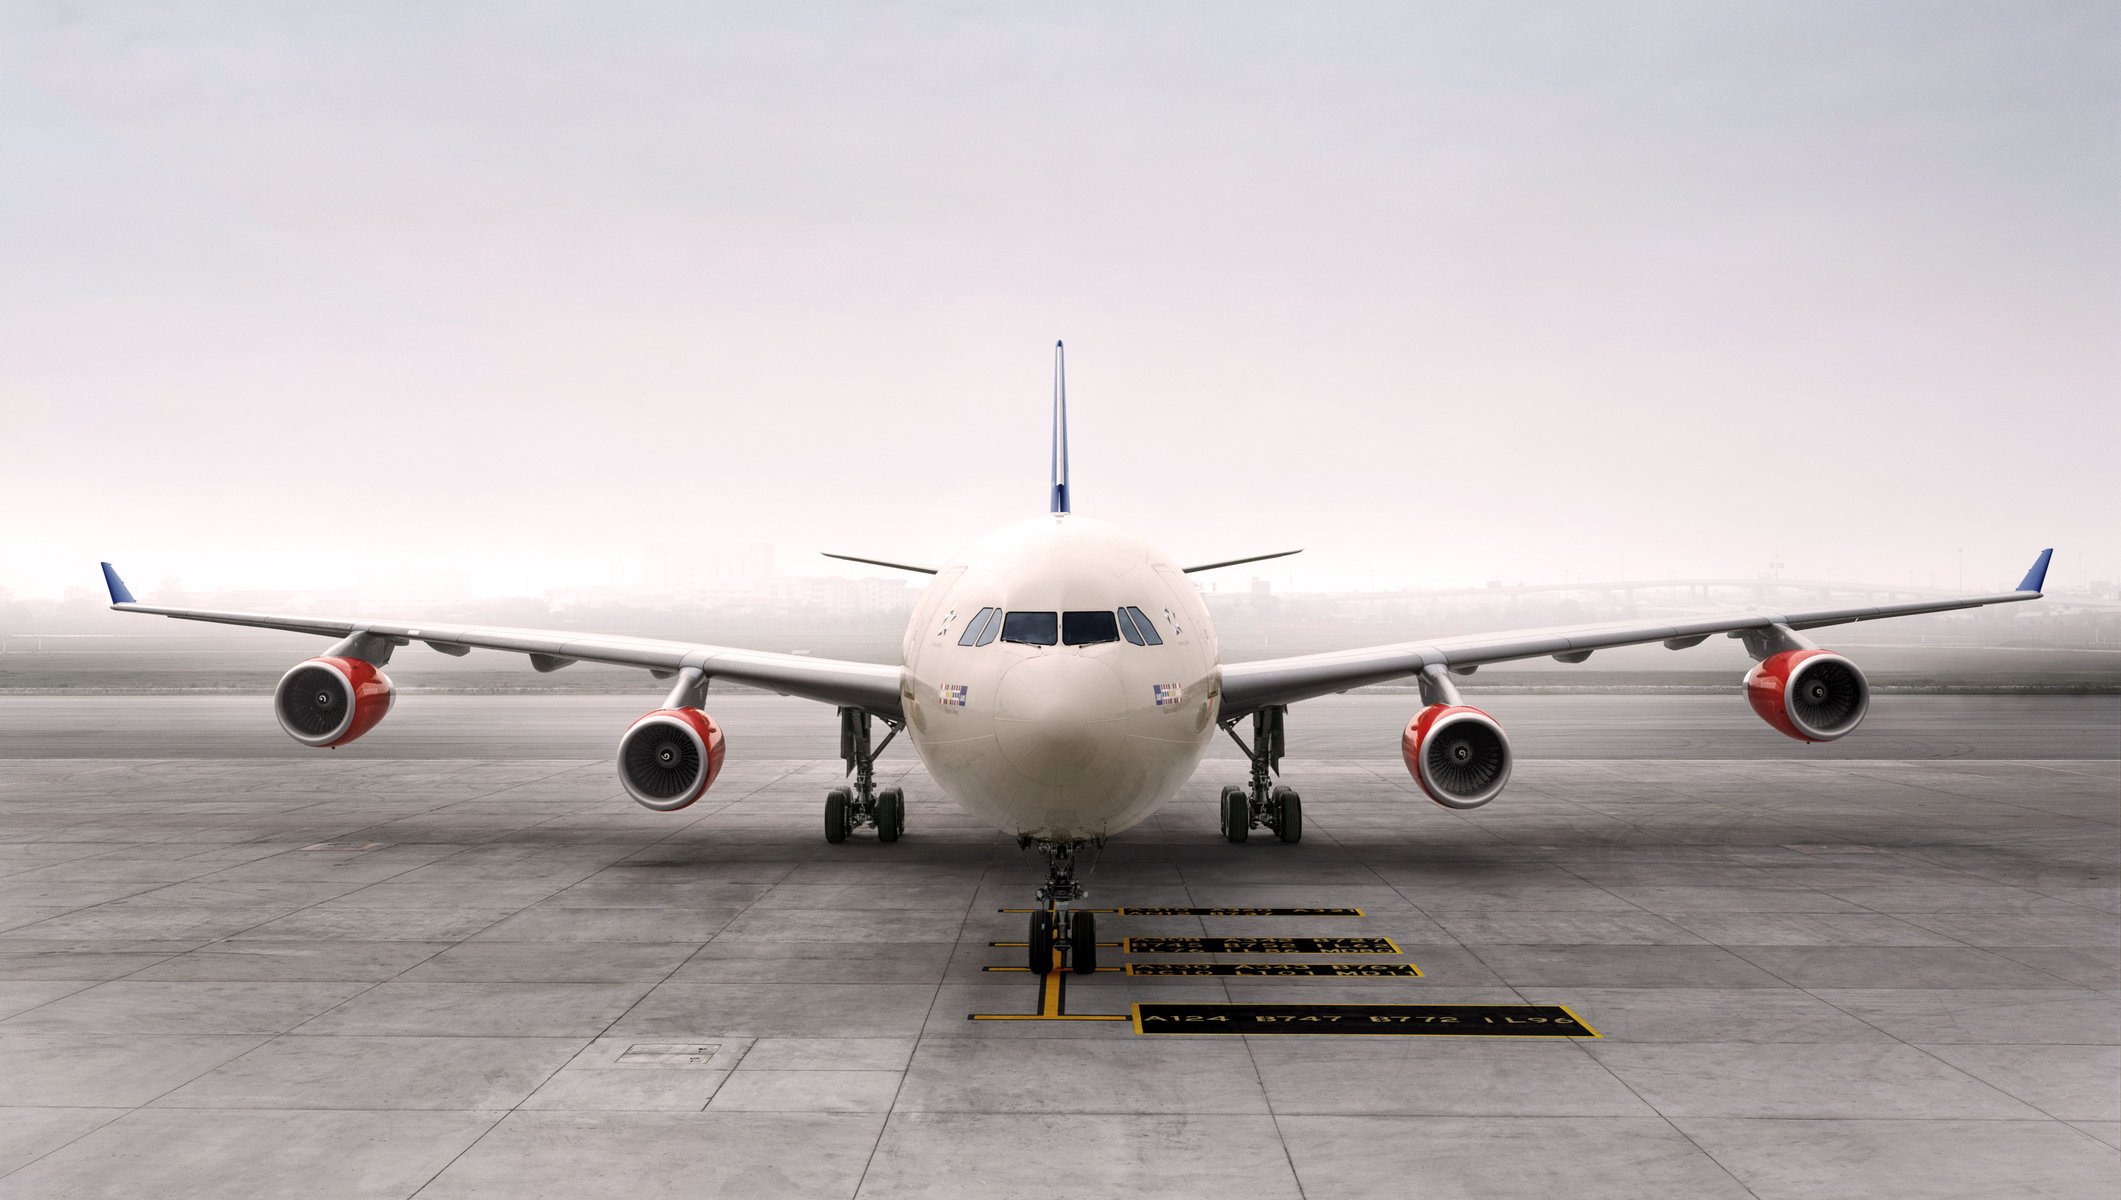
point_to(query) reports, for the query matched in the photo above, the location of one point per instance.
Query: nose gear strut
(1061, 935)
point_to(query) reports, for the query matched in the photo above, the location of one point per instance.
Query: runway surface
(1361, 725)
(453, 961)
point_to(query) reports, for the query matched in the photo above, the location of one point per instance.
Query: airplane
(1060, 679)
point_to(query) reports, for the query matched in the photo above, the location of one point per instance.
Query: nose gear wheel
(1062, 939)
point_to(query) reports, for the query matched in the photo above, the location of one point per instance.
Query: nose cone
(1060, 719)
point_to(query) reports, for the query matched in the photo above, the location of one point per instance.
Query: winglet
(2036, 578)
(1060, 430)
(119, 593)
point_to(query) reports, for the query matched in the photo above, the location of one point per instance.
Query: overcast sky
(311, 295)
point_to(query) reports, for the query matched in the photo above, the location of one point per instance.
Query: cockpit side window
(1089, 628)
(1141, 622)
(973, 624)
(1127, 629)
(1031, 628)
(991, 629)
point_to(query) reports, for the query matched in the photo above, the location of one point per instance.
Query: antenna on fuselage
(1060, 429)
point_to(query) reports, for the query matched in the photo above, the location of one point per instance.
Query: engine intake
(669, 758)
(1458, 754)
(1810, 695)
(329, 702)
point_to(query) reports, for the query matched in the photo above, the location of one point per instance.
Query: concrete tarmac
(453, 961)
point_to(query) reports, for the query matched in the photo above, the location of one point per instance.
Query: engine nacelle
(1458, 754)
(1810, 695)
(332, 701)
(669, 758)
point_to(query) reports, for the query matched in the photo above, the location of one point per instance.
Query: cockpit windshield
(1031, 628)
(1089, 628)
(1080, 628)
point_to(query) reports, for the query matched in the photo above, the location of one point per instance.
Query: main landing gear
(1061, 934)
(848, 808)
(1262, 805)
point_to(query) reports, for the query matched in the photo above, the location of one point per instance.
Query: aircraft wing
(873, 687)
(1250, 686)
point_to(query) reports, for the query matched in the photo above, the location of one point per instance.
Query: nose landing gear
(863, 804)
(1262, 805)
(1061, 935)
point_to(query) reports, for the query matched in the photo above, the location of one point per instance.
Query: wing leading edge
(1248, 687)
(873, 687)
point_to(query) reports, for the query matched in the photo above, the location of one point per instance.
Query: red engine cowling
(332, 701)
(669, 758)
(1810, 695)
(1458, 755)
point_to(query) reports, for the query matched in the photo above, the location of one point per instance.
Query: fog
(489, 299)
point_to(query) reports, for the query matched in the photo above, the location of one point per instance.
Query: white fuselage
(1058, 741)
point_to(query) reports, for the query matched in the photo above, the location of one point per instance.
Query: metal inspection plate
(683, 1054)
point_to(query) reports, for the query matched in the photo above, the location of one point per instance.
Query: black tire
(1237, 815)
(1040, 947)
(887, 817)
(836, 802)
(894, 799)
(1082, 943)
(1288, 815)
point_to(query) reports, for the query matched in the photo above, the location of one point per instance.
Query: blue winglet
(119, 593)
(2036, 578)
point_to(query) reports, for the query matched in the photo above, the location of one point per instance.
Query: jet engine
(1458, 754)
(331, 701)
(1811, 695)
(670, 757)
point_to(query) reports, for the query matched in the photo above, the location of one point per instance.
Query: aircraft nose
(1060, 718)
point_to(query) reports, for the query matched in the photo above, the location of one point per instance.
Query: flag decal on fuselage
(954, 695)
(1167, 694)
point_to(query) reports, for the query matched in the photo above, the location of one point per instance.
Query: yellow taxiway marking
(1261, 945)
(1279, 970)
(1052, 991)
(1232, 911)
(1416, 1031)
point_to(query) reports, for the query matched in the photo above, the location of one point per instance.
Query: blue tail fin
(1060, 430)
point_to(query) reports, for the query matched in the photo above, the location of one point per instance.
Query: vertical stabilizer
(1060, 429)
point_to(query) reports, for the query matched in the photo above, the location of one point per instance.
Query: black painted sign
(1332, 970)
(1260, 945)
(1406, 1020)
(1240, 912)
